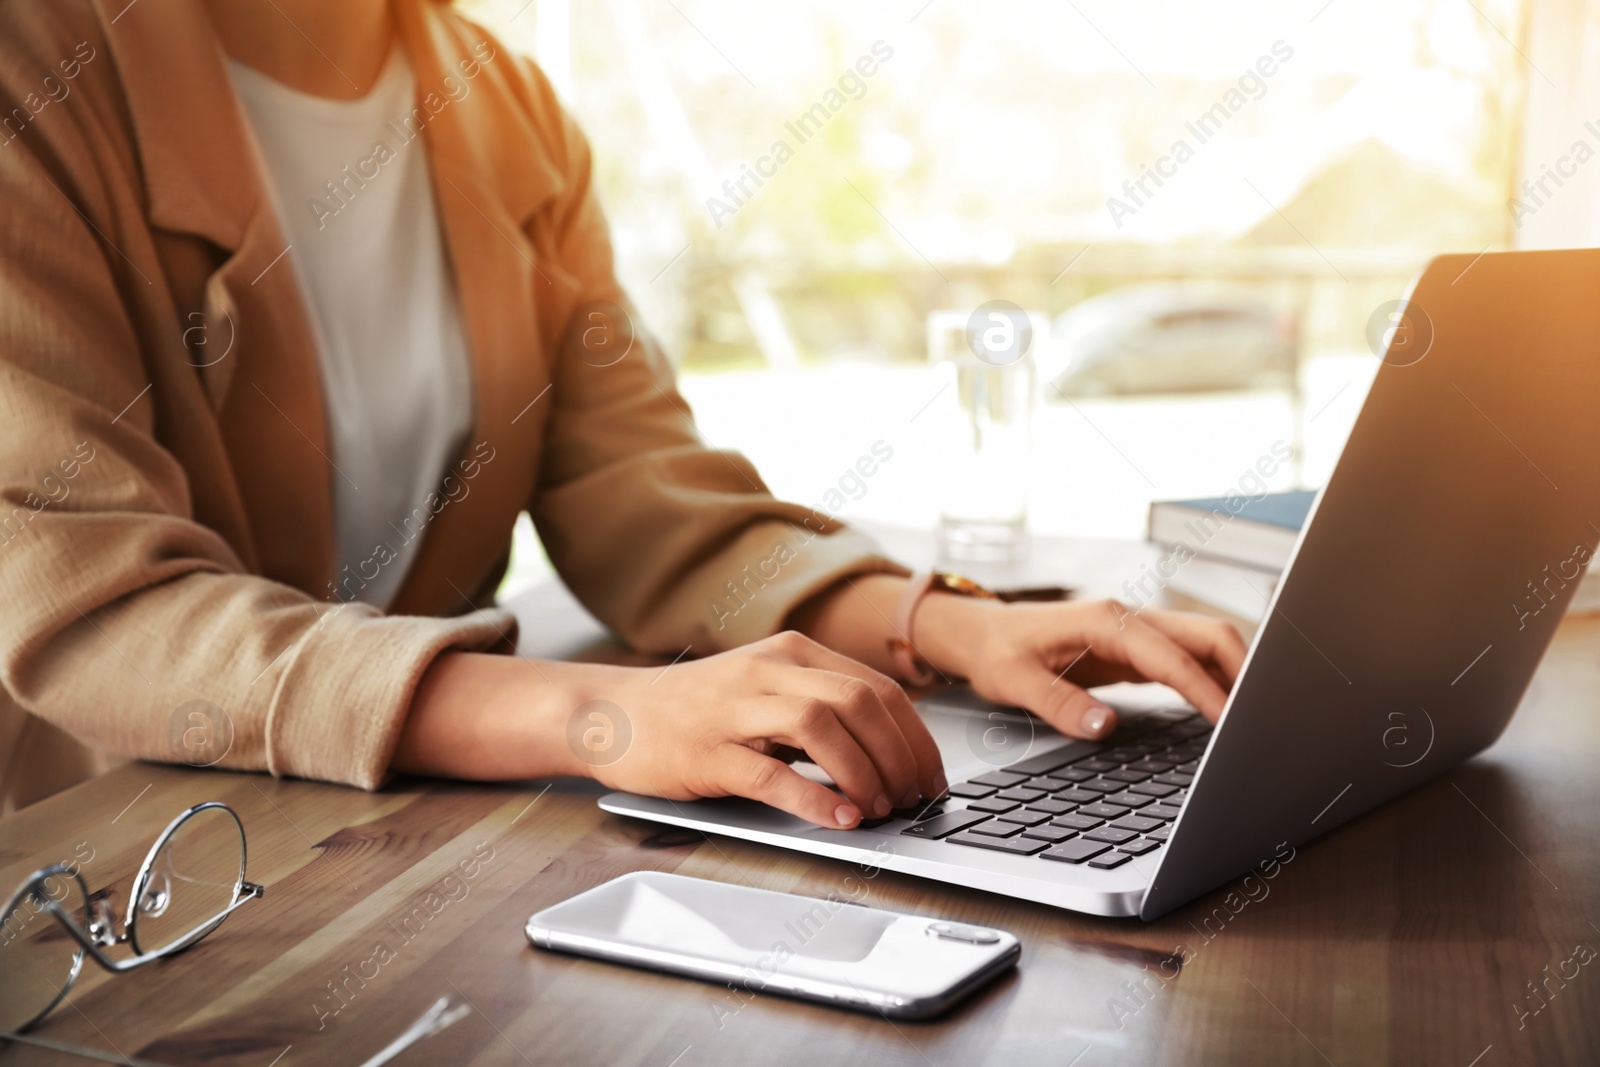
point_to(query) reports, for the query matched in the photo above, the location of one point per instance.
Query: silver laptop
(1425, 586)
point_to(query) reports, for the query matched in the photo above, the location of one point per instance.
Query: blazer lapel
(272, 413)
(260, 365)
(490, 177)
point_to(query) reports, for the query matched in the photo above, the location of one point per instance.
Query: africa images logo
(599, 732)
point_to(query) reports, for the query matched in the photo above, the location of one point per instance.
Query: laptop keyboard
(1098, 803)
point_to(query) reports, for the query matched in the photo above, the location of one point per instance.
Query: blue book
(1257, 531)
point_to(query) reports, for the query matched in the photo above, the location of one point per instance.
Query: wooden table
(1413, 936)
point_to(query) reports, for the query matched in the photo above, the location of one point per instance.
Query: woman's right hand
(700, 728)
(709, 728)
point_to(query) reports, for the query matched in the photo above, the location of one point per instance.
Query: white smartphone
(828, 950)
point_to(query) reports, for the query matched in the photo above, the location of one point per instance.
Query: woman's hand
(1041, 657)
(700, 728)
(1044, 656)
(708, 728)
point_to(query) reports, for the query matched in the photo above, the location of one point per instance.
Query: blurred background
(1200, 206)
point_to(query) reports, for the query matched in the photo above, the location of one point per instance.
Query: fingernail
(1094, 720)
(844, 815)
(940, 783)
(880, 807)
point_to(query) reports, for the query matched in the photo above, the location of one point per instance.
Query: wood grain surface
(1444, 928)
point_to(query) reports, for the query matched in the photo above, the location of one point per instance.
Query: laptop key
(996, 828)
(1099, 766)
(1047, 762)
(1189, 768)
(1128, 800)
(1154, 789)
(906, 814)
(1024, 817)
(994, 806)
(971, 790)
(1176, 778)
(1102, 785)
(1109, 860)
(1077, 796)
(1048, 782)
(1021, 846)
(1076, 821)
(1076, 851)
(1053, 834)
(1072, 774)
(1052, 806)
(941, 825)
(1139, 847)
(1152, 765)
(1101, 811)
(1164, 812)
(1110, 835)
(1137, 823)
(1128, 774)
(1161, 834)
(1021, 793)
(1000, 779)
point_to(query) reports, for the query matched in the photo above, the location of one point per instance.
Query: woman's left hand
(1039, 656)
(1043, 657)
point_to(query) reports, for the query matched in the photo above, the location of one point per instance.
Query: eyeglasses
(191, 880)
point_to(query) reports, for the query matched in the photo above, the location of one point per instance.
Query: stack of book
(1236, 562)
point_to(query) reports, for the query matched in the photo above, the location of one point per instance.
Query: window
(795, 189)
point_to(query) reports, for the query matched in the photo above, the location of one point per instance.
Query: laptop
(1425, 586)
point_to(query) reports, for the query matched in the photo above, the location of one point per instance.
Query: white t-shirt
(352, 191)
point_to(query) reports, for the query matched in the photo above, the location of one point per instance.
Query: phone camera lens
(972, 935)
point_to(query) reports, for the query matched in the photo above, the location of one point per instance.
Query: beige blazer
(166, 529)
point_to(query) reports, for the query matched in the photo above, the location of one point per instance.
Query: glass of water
(984, 511)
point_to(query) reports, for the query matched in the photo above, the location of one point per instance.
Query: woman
(298, 311)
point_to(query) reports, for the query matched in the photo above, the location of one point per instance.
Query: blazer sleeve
(674, 544)
(124, 617)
